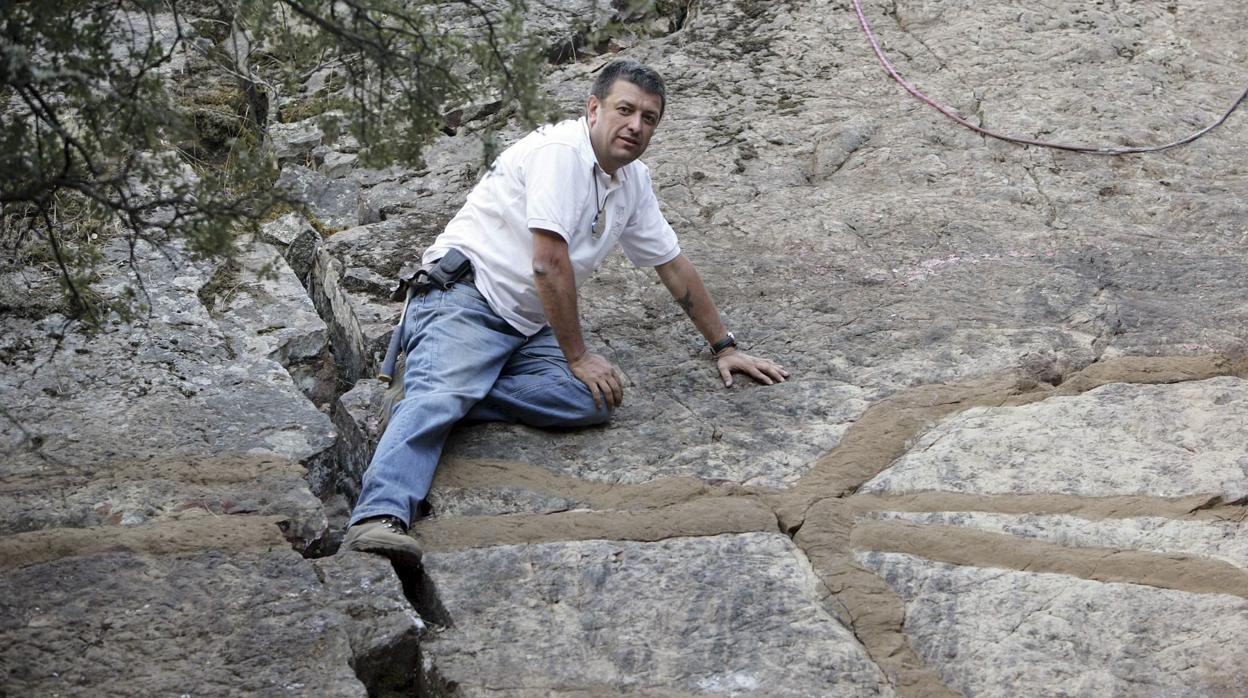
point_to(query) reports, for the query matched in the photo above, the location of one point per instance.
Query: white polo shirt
(551, 180)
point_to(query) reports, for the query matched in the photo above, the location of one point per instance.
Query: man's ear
(591, 108)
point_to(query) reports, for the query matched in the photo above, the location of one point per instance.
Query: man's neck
(597, 155)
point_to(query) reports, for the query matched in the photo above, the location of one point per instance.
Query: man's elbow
(550, 255)
(549, 265)
(545, 265)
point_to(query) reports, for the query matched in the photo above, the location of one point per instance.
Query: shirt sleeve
(648, 239)
(554, 190)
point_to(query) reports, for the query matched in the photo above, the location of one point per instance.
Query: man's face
(620, 126)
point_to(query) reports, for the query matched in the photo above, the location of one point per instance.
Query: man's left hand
(761, 370)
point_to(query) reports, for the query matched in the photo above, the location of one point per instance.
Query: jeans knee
(582, 411)
(598, 415)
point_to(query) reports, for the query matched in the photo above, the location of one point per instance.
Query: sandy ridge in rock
(1195, 508)
(959, 546)
(709, 516)
(236, 533)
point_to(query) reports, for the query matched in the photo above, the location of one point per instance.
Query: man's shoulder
(554, 143)
(569, 133)
(549, 140)
(637, 172)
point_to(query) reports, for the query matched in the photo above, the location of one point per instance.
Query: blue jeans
(464, 361)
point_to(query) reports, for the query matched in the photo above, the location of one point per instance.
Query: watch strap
(725, 343)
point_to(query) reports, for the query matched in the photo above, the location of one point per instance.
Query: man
(503, 340)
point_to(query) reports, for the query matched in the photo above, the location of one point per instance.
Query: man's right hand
(600, 377)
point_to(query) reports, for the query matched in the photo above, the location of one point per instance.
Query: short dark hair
(639, 74)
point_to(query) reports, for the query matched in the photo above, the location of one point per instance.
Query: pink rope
(1092, 150)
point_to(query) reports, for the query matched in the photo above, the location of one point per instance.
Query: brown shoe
(383, 535)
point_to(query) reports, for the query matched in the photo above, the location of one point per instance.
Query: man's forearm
(682, 280)
(556, 286)
(686, 287)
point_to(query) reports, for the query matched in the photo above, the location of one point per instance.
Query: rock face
(160, 473)
(721, 615)
(1010, 460)
(1217, 540)
(265, 311)
(172, 382)
(991, 631)
(333, 202)
(1114, 598)
(1092, 445)
(296, 239)
(120, 623)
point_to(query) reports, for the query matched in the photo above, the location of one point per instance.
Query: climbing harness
(1089, 149)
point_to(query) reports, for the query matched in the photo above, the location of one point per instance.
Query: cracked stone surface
(264, 310)
(130, 494)
(171, 382)
(1097, 601)
(1160, 441)
(150, 539)
(213, 623)
(333, 202)
(730, 615)
(994, 632)
(297, 240)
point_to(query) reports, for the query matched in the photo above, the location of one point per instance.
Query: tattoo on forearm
(686, 302)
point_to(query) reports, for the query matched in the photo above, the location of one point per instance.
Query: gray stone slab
(731, 614)
(216, 623)
(1155, 440)
(359, 323)
(929, 253)
(1221, 540)
(133, 494)
(296, 140)
(356, 415)
(382, 627)
(296, 238)
(159, 418)
(686, 425)
(263, 310)
(333, 202)
(496, 501)
(334, 163)
(994, 632)
(168, 383)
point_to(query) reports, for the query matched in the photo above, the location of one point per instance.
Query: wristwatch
(728, 342)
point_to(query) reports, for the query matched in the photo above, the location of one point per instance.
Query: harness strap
(386, 374)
